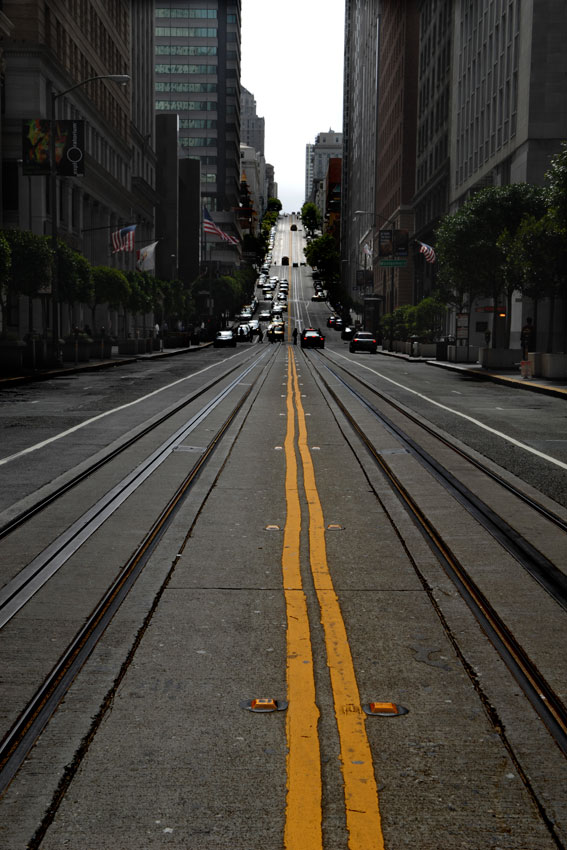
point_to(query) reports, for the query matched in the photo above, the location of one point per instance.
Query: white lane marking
(62, 434)
(462, 415)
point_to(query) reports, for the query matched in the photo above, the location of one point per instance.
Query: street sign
(399, 263)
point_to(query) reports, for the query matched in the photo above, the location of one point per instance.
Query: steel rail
(538, 691)
(17, 592)
(41, 504)
(532, 503)
(21, 737)
(542, 570)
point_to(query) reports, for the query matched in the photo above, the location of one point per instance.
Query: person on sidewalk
(527, 338)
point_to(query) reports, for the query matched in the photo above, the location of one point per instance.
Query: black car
(224, 338)
(338, 324)
(348, 332)
(312, 338)
(363, 341)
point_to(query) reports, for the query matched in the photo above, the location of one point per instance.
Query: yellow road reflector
(264, 704)
(384, 709)
(272, 528)
(335, 525)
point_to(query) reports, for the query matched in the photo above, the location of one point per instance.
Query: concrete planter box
(554, 365)
(79, 352)
(499, 358)
(11, 356)
(427, 349)
(462, 353)
(102, 348)
(534, 358)
(128, 346)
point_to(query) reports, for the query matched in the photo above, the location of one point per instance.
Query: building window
(186, 13)
(186, 69)
(186, 32)
(185, 50)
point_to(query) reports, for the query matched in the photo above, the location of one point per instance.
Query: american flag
(427, 252)
(123, 239)
(210, 227)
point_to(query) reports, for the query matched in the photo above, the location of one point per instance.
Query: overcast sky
(292, 62)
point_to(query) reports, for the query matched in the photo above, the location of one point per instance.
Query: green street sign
(390, 263)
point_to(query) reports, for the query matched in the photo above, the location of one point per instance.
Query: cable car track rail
(38, 506)
(22, 735)
(538, 691)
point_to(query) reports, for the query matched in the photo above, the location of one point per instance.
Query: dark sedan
(224, 338)
(363, 341)
(348, 332)
(312, 338)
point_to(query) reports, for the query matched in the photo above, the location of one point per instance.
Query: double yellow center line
(303, 828)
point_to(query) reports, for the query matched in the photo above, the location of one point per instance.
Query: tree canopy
(310, 217)
(472, 262)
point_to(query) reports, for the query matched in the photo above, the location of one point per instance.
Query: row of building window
(186, 13)
(197, 142)
(185, 50)
(187, 87)
(197, 124)
(186, 105)
(185, 69)
(187, 32)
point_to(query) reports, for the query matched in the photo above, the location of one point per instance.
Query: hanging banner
(69, 147)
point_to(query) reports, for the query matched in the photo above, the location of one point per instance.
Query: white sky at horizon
(292, 63)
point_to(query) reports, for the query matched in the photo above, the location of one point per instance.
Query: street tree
(75, 283)
(111, 287)
(31, 266)
(472, 261)
(310, 217)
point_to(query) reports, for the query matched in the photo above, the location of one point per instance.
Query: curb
(16, 380)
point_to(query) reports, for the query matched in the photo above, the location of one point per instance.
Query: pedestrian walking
(294, 334)
(526, 338)
(260, 335)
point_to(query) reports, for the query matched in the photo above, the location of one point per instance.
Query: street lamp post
(121, 79)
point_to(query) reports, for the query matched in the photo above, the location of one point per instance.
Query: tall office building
(432, 172)
(51, 53)
(252, 126)
(197, 76)
(360, 102)
(327, 146)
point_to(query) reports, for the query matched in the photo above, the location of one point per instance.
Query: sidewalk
(7, 381)
(556, 388)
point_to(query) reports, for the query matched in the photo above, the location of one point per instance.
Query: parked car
(224, 338)
(312, 338)
(348, 332)
(363, 341)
